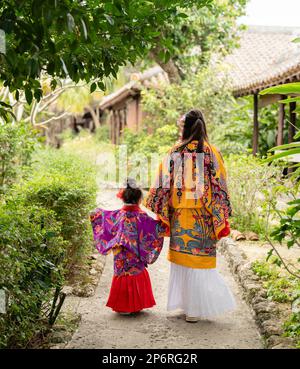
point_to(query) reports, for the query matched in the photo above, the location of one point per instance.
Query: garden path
(157, 328)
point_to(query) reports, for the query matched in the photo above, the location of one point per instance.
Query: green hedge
(66, 184)
(31, 254)
(45, 237)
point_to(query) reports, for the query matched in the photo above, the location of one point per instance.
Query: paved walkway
(157, 328)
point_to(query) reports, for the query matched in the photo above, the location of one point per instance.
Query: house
(123, 108)
(267, 57)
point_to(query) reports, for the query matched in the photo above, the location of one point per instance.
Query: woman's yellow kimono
(193, 201)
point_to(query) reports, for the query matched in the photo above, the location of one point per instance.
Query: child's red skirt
(131, 293)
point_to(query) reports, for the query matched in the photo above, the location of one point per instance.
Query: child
(136, 241)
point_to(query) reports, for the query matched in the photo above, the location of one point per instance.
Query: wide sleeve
(151, 239)
(104, 229)
(220, 197)
(159, 194)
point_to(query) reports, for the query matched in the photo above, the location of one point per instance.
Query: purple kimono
(135, 238)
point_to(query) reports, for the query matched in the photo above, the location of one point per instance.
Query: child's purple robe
(135, 238)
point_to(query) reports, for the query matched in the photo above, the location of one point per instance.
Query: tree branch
(280, 257)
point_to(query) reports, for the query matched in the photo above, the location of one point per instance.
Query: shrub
(249, 181)
(45, 236)
(17, 143)
(32, 253)
(264, 270)
(279, 287)
(64, 183)
(102, 133)
(292, 328)
(159, 142)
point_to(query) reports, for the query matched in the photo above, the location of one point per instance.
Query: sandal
(237, 235)
(252, 236)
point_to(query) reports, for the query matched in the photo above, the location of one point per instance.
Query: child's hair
(131, 194)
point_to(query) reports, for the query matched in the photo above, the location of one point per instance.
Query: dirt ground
(156, 328)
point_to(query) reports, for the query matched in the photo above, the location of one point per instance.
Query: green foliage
(250, 181)
(227, 125)
(289, 226)
(102, 133)
(292, 327)
(65, 184)
(280, 288)
(17, 142)
(87, 40)
(31, 255)
(229, 121)
(45, 237)
(159, 142)
(264, 270)
(285, 89)
(288, 230)
(290, 149)
(199, 33)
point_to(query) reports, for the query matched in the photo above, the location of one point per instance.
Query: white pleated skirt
(199, 293)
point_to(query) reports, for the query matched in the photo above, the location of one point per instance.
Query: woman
(191, 197)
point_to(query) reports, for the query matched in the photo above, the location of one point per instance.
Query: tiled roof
(266, 57)
(150, 78)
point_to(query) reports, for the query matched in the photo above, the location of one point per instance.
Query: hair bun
(131, 183)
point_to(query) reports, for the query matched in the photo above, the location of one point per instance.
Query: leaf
(38, 94)
(286, 146)
(167, 56)
(282, 155)
(296, 40)
(71, 22)
(270, 253)
(182, 15)
(84, 28)
(291, 99)
(285, 89)
(93, 87)
(5, 105)
(28, 95)
(109, 19)
(294, 202)
(53, 84)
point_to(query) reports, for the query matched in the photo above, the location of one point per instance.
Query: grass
(281, 288)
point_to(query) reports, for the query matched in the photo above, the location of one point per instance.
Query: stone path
(157, 328)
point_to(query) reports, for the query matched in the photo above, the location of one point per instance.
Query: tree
(189, 43)
(82, 40)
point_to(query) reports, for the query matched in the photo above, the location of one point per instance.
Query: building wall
(132, 113)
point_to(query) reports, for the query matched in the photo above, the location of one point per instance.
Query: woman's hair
(131, 193)
(194, 129)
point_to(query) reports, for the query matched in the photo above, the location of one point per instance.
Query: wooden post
(117, 127)
(292, 123)
(255, 125)
(281, 117)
